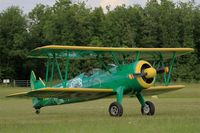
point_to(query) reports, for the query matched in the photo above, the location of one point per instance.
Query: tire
(37, 111)
(148, 109)
(115, 109)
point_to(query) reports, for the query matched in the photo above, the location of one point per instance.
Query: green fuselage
(115, 78)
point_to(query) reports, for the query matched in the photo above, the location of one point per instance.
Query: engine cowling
(148, 74)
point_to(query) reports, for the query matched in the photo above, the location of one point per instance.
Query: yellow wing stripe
(17, 94)
(86, 90)
(75, 90)
(115, 49)
(156, 90)
(166, 87)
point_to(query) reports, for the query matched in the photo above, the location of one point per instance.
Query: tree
(150, 25)
(186, 64)
(121, 27)
(13, 40)
(96, 25)
(158, 24)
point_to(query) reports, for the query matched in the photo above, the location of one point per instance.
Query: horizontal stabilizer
(155, 90)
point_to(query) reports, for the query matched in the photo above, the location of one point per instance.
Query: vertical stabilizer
(36, 84)
(32, 80)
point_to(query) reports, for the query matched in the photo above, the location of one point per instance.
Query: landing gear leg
(147, 108)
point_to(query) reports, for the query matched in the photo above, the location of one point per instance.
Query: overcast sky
(28, 5)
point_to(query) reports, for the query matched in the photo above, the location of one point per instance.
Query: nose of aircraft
(150, 72)
(144, 73)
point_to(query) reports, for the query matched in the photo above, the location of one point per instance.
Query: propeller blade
(162, 70)
(136, 75)
(148, 72)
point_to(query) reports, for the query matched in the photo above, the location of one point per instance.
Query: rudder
(35, 85)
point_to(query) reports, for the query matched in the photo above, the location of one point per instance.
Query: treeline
(164, 24)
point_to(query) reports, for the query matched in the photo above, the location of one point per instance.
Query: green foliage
(158, 24)
(122, 27)
(13, 41)
(150, 28)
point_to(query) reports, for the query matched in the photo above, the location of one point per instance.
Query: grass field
(176, 112)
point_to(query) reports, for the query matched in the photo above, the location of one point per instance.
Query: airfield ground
(176, 112)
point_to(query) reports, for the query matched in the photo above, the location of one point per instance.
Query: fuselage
(115, 77)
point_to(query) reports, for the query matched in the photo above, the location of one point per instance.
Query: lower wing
(87, 92)
(64, 93)
(155, 90)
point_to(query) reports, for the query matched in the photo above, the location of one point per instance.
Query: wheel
(37, 111)
(115, 109)
(148, 109)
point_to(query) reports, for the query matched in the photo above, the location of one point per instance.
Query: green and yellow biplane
(133, 71)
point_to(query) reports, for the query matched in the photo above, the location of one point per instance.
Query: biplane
(133, 71)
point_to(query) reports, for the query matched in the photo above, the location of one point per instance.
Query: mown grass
(176, 112)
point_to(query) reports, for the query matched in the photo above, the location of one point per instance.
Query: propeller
(149, 72)
(162, 70)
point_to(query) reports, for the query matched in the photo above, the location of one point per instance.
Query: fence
(15, 83)
(21, 83)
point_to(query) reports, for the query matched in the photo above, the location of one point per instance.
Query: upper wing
(65, 93)
(81, 52)
(161, 89)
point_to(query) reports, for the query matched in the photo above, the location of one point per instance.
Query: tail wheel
(115, 109)
(148, 109)
(37, 111)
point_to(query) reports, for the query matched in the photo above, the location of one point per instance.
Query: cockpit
(94, 71)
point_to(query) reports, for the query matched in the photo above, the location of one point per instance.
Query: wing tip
(17, 95)
(168, 87)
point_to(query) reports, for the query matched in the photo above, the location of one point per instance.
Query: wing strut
(166, 76)
(115, 58)
(170, 69)
(47, 69)
(101, 61)
(54, 63)
(66, 68)
(52, 72)
(58, 68)
(137, 57)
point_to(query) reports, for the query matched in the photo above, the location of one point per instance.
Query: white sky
(28, 5)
